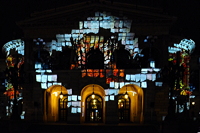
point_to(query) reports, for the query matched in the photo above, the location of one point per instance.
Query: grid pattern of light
(88, 37)
(17, 45)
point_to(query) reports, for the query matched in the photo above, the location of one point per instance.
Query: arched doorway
(130, 104)
(63, 108)
(55, 108)
(124, 108)
(93, 104)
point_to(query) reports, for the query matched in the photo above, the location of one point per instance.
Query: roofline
(130, 8)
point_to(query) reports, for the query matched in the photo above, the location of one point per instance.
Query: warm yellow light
(193, 103)
(126, 96)
(61, 95)
(134, 93)
(55, 93)
(94, 100)
(93, 96)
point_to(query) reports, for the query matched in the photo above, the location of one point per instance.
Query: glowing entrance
(63, 108)
(124, 108)
(130, 104)
(93, 104)
(55, 109)
(94, 108)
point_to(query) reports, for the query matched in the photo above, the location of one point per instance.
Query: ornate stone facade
(57, 61)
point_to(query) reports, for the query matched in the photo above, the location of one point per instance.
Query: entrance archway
(124, 108)
(55, 109)
(93, 104)
(63, 108)
(93, 108)
(131, 97)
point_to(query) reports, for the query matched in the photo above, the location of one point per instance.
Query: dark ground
(21, 126)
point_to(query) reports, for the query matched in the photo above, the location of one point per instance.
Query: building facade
(93, 63)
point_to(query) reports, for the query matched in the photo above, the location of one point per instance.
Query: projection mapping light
(185, 45)
(91, 35)
(180, 53)
(14, 46)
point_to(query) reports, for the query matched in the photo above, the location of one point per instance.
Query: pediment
(81, 11)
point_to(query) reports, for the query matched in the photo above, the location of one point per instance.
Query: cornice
(65, 15)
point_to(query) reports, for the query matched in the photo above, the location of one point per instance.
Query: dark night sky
(187, 12)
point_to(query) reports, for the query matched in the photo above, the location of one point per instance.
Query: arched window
(94, 108)
(63, 108)
(124, 108)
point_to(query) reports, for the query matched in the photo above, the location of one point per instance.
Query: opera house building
(94, 63)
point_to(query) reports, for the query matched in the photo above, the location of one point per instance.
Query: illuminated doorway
(92, 104)
(124, 108)
(63, 108)
(94, 108)
(53, 107)
(130, 104)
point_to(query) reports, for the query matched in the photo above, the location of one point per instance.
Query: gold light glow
(135, 97)
(61, 95)
(55, 93)
(88, 91)
(93, 96)
(126, 96)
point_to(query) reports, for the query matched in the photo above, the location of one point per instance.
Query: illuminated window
(94, 108)
(63, 108)
(123, 108)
